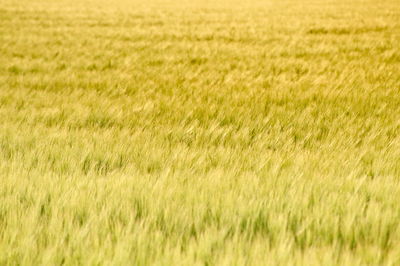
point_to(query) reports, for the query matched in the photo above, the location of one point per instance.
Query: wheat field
(254, 132)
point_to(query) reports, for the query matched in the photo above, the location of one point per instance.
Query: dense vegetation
(199, 132)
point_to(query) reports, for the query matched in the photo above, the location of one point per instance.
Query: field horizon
(199, 132)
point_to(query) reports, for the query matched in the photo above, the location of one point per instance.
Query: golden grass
(199, 132)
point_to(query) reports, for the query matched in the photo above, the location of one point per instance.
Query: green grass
(200, 132)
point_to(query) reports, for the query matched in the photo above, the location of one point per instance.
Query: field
(199, 132)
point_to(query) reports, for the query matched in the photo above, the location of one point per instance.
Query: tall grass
(199, 132)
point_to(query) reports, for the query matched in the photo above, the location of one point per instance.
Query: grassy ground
(199, 132)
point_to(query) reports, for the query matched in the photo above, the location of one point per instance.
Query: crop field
(177, 132)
